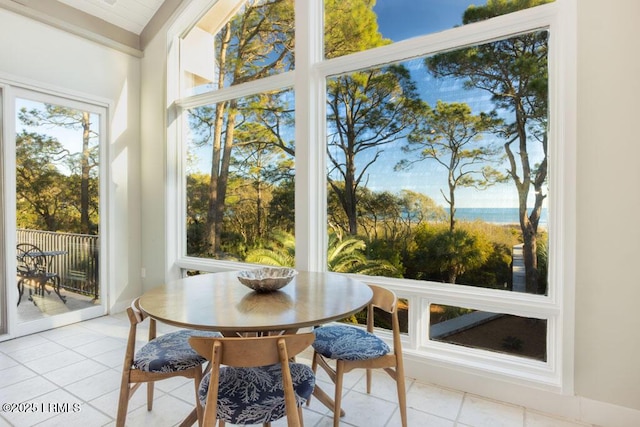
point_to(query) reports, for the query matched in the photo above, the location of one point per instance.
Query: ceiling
(132, 15)
(127, 25)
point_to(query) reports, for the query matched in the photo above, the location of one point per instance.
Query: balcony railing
(77, 266)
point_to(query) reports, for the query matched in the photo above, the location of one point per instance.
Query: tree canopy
(515, 72)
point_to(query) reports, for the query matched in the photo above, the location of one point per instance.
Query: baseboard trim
(572, 407)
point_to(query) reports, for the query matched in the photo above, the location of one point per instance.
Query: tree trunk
(85, 226)
(212, 241)
(350, 198)
(452, 202)
(223, 178)
(528, 224)
(211, 236)
(530, 257)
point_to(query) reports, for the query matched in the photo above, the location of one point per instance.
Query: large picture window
(414, 145)
(240, 151)
(240, 176)
(439, 164)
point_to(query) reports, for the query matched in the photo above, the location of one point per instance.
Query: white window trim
(308, 81)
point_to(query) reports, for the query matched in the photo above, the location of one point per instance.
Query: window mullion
(266, 84)
(310, 195)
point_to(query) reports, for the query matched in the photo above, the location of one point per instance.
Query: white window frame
(14, 87)
(308, 80)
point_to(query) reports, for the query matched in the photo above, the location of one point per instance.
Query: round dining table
(219, 302)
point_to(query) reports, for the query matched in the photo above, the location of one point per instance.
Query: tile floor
(50, 304)
(70, 376)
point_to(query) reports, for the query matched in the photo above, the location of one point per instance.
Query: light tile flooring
(70, 376)
(50, 304)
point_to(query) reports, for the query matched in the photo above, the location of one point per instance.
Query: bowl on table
(267, 279)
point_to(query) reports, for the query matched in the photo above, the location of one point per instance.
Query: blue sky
(403, 19)
(70, 138)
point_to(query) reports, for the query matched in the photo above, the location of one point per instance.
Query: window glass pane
(358, 25)
(240, 179)
(57, 203)
(518, 336)
(256, 42)
(437, 167)
(382, 319)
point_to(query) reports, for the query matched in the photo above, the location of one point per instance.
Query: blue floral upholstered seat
(256, 395)
(170, 352)
(348, 343)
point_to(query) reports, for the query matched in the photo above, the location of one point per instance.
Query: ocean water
(495, 215)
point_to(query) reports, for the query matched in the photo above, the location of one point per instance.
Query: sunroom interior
(130, 73)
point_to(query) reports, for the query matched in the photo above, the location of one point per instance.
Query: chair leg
(56, 289)
(20, 290)
(149, 395)
(314, 368)
(197, 380)
(402, 395)
(42, 285)
(31, 296)
(338, 394)
(123, 402)
(368, 381)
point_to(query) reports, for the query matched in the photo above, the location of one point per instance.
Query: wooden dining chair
(259, 383)
(351, 347)
(162, 357)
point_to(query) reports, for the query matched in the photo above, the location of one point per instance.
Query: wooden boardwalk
(519, 277)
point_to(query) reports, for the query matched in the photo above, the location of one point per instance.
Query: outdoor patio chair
(259, 383)
(33, 267)
(162, 357)
(351, 347)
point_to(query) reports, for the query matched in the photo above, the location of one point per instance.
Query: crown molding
(159, 19)
(74, 21)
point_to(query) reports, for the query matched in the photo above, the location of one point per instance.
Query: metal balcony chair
(33, 266)
(162, 357)
(351, 347)
(259, 383)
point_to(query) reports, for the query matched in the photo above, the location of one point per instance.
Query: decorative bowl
(267, 279)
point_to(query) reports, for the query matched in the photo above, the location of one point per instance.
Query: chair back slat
(252, 351)
(31, 260)
(135, 314)
(383, 299)
(247, 353)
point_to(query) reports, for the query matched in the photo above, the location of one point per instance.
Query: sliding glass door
(55, 199)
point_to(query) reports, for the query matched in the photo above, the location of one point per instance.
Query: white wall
(154, 161)
(608, 202)
(40, 55)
